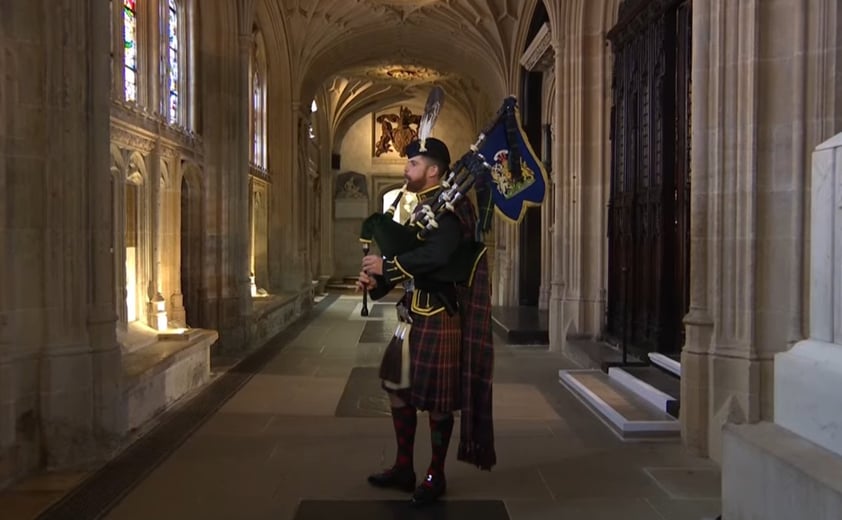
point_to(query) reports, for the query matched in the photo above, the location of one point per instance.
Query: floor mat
(400, 510)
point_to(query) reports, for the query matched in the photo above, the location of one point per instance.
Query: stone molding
(539, 55)
(136, 128)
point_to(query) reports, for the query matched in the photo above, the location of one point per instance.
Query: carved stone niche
(539, 55)
(351, 196)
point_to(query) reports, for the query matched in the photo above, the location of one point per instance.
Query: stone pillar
(156, 307)
(227, 33)
(59, 361)
(507, 261)
(547, 225)
(326, 251)
(288, 194)
(242, 271)
(569, 181)
(733, 173)
(698, 323)
(558, 330)
(580, 167)
(172, 240)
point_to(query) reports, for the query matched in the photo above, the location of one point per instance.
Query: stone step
(627, 414)
(521, 325)
(661, 389)
(666, 363)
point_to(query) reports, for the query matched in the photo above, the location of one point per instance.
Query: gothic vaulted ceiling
(367, 52)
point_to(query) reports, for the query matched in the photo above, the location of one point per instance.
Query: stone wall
(762, 99)
(59, 359)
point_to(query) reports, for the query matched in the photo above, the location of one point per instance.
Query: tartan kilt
(434, 363)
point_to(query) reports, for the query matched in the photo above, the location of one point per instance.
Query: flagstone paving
(293, 435)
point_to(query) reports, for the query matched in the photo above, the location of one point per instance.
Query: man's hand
(373, 265)
(366, 282)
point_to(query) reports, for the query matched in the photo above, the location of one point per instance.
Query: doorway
(649, 208)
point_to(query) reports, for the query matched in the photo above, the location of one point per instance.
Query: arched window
(130, 50)
(257, 111)
(311, 132)
(173, 53)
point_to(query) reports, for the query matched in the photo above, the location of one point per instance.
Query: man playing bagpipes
(447, 300)
(436, 310)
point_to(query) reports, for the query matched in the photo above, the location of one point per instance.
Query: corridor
(291, 432)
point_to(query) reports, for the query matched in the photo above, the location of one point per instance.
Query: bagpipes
(505, 175)
(393, 238)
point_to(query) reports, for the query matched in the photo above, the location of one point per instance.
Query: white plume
(431, 112)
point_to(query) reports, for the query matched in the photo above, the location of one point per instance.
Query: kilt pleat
(434, 371)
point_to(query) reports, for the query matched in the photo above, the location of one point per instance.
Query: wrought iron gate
(648, 224)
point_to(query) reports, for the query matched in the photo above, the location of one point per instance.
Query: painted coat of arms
(507, 184)
(397, 131)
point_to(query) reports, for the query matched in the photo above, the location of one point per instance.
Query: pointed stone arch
(132, 236)
(192, 247)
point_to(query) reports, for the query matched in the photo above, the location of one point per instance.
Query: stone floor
(291, 433)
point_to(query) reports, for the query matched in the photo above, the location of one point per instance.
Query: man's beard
(414, 186)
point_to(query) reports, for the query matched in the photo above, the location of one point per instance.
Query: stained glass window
(257, 111)
(130, 50)
(258, 102)
(174, 69)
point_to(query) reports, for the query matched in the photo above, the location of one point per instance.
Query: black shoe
(429, 491)
(398, 478)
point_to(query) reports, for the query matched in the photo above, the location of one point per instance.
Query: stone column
(227, 32)
(558, 331)
(698, 323)
(326, 194)
(592, 123)
(109, 420)
(566, 26)
(732, 171)
(245, 12)
(282, 147)
(172, 240)
(59, 362)
(569, 160)
(288, 195)
(580, 167)
(547, 216)
(156, 307)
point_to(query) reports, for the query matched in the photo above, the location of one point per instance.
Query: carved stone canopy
(539, 55)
